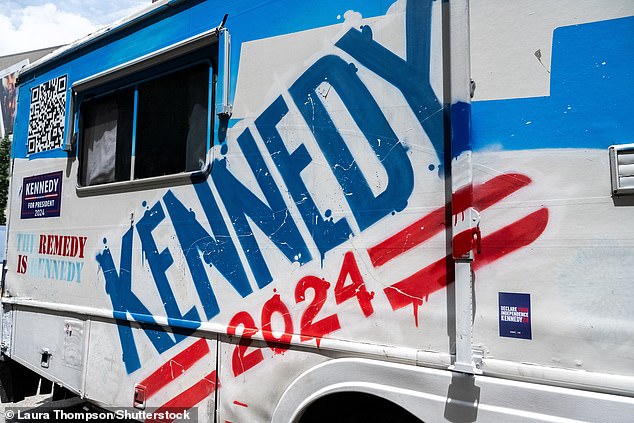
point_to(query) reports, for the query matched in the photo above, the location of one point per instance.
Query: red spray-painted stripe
(464, 242)
(496, 189)
(462, 199)
(175, 367)
(188, 398)
(484, 196)
(416, 288)
(511, 238)
(408, 238)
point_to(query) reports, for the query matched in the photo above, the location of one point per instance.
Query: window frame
(132, 74)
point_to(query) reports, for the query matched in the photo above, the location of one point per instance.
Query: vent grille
(622, 169)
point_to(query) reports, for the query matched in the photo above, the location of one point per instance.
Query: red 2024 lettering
(310, 327)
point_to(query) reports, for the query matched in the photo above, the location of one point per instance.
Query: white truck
(358, 210)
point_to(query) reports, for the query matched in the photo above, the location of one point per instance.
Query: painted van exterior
(349, 180)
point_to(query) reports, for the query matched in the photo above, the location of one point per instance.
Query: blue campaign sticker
(42, 195)
(515, 315)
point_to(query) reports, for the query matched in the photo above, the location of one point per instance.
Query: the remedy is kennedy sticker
(515, 315)
(42, 195)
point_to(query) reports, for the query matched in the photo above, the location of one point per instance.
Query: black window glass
(171, 125)
(107, 138)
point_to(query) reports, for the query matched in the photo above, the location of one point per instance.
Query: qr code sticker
(47, 115)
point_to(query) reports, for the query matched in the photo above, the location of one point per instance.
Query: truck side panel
(320, 225)
(552, 121)
(283, 241)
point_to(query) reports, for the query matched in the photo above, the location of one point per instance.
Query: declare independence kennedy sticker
(515, 315)
(42, 195)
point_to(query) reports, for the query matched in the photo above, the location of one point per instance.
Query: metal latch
(46, 357)
(468, 237)
(139, 397)
(477, 238)
(479, 354)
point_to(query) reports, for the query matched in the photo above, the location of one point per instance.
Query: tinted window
(155, 127)
(107, 138)
(172, 116)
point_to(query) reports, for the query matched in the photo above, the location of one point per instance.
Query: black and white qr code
(47, 115)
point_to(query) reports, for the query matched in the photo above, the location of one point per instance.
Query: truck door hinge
(479, 354)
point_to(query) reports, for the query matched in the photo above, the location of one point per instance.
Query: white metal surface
(312, 259)
(437, 396)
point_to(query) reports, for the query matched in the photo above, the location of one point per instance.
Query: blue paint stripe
(590, 106)
(460, 121)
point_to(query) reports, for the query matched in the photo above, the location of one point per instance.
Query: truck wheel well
(356, 407)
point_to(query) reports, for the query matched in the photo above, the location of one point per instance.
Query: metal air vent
(622, 169)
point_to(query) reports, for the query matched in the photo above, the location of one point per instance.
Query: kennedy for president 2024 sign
(42, 195)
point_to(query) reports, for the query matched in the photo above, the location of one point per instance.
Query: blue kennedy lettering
(213, 245)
